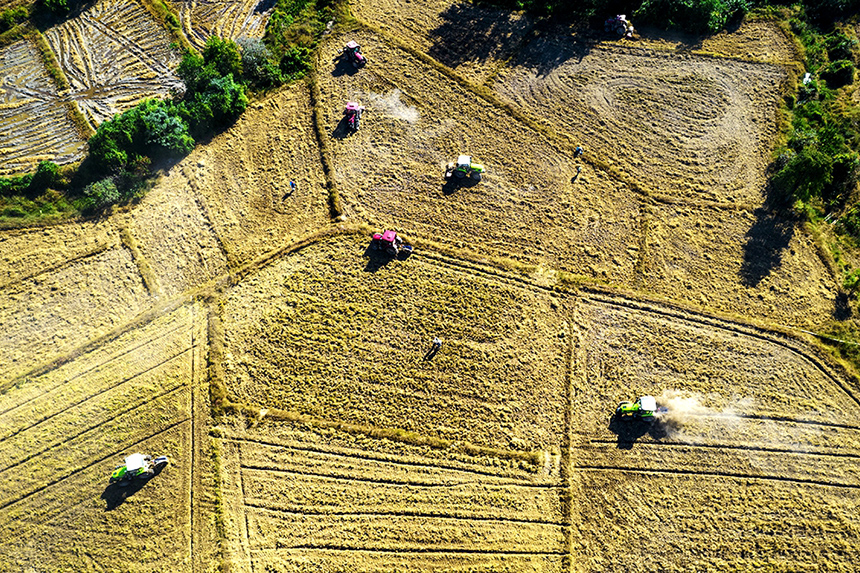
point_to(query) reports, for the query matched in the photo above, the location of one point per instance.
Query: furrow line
(395, 481)
(364, 456)
(420, 514)
(663, 443)
(412, 550)
(93, 427)
(90, 397)
(89, 465)
(60, 266)
(669, 471)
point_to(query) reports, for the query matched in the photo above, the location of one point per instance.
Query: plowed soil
(34, 125)
(559, 286)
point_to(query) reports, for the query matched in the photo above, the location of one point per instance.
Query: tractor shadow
(341, 130)
(377, 259)
(116, 494)
(453, 184)
(631, 429)
(343, 67)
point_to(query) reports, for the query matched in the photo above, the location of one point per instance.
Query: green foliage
(697, 16)
(223, 57)
(11, 17)
(258, 63)
(56, 7)
(103, 193)
(296, 61)
(838, 74)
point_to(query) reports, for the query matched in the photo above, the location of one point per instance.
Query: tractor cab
(389, 242)
(134, 463)
(643, 408)
(464, 168)
(352, 47)
(464, 162)
(353, 53)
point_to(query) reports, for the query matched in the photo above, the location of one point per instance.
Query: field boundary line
(88, 370)
(406, 514)
(405, 550)
(87, 398)
(660, 444)
(335, 206)
(401, 482)
(88, 465)
(363, 455)
(150, 281)
(732, 475)
(86, 430)
(60, 266)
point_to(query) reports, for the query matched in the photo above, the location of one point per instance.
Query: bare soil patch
(683, 126)
(34, 124)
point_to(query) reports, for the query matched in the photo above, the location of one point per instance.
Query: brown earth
(500, 452)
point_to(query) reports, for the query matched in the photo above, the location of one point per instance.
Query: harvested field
(47, 315)
(34, 124)
(752, 264)
(318, 502)
(243, 177)
(530, 206)
(114, 55)
(226, 19)
(685, 126)
(62, 433)
(471, 39)
(497, 382)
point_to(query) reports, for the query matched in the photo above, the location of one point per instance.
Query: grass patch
(49, 60)
(167, 16)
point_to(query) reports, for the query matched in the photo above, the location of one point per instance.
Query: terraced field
(228, 321)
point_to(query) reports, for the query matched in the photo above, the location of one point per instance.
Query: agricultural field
(27, 92)
(247, 330)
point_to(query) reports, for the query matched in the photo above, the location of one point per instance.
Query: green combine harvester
(137, 467)
(644, 408)
(464, 168)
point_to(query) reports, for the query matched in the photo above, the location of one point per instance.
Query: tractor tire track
(741, 447)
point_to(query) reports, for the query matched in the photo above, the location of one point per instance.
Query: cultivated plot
(326, 333)
(531, 205)
(242, 178)
(226, 19)
(34, 124)
(749, 263)
(312, 503)
(114, 54)
(473, 40)
(686, 126)
(47, 315)
(62, 433)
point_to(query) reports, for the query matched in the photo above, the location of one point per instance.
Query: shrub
(47, 175)
(257, 65)
(223, 56)
(696, 16)
(103, 193)
(296, 62)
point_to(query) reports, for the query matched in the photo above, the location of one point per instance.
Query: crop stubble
(227, 20)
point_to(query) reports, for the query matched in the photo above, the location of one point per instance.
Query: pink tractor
(353, 115)
(389, 242)
(353, 53)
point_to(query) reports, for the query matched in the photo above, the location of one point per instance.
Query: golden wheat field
(249, 332)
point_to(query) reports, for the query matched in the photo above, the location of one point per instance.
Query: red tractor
(389, 242)
(354, 55)
(353, 113)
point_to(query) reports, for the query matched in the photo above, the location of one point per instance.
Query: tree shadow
(629, 430)
(767, 240)
(343, 67)
(264, 6)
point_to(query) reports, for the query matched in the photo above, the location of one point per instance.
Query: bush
(296, 62)
(103, 193)
(47, 175)
(11, 17)
(258, 67)
(696, 16)
(223, 56)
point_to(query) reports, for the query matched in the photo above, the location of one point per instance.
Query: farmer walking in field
(437, 344)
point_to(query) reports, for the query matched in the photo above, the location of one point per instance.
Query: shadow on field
(767, 241)
(341, 130)
(115, 494)
(451, 185)
(631, 429)
(343, 67)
